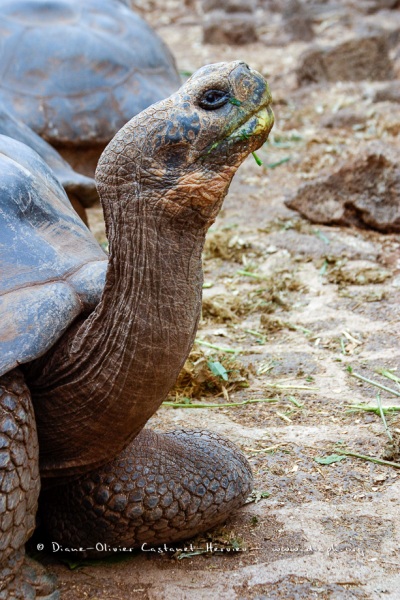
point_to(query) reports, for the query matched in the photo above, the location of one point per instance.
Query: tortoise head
(178, 156)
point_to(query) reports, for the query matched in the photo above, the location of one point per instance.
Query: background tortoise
(76, 72)
(96, 375)
(81, 190)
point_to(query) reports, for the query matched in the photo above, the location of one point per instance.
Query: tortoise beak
(259, 124)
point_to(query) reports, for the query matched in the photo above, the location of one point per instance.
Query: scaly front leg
(161, 488)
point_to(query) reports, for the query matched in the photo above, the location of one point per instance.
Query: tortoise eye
(213, 99)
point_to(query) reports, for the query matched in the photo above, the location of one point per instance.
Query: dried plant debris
(357, 272)
(392, 448)
(271, 323)
(229, 245)
(219, 541)
(210, 375)
(221, 309)
(229, 308)
(276, 292)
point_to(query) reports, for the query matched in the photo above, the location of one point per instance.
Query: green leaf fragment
(250, 274)
(295, 402)
(387, 373)
(256, 496)
(324, 268)
(372, 459)
(182, 555)
(278, 163)
(236, 545)
(215, 347)
(374, 409)
(328, 460)
(220, 405)
(214, 145)
(257, 159)
(322, 236)
(372, 382)
(218, 369)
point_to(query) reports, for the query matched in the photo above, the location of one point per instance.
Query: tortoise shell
(83, 188)
(76, 72)
(51, 266)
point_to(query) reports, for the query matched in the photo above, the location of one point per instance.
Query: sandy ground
(323, 299)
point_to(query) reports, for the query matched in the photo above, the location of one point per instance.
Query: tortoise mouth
(258, 124)
(254, 130)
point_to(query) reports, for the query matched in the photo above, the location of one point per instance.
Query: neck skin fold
(96, 389)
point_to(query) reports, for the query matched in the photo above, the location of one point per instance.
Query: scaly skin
(20, 578)
(162, 488)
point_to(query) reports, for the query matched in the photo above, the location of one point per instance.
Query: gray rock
(363, 192)
(297, 22)
(357, 59)
(236, 29)
(228, 6)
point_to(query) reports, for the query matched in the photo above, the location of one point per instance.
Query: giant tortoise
(96, 343)
(76, 72)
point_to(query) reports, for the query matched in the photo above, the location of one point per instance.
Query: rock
(363, 192)
(297, 23)
(228, 6)
(236, 29)
(364, 57)
(389, 93)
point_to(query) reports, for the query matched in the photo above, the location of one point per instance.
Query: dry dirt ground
(302, 304)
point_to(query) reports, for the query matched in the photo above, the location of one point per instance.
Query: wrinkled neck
(110, 373)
